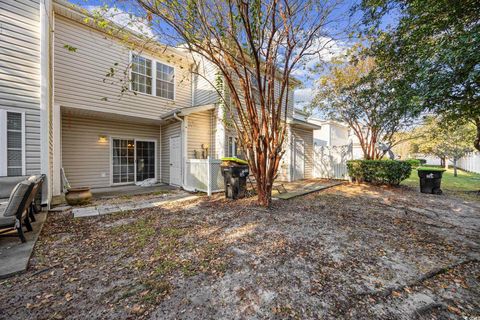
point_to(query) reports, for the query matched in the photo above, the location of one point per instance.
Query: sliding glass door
(145, 160)
(132, 160)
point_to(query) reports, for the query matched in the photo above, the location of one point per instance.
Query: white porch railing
(331, 162)
(204, 175)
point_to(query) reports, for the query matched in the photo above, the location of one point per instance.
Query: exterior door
(299, 159)
(175, 161)
(123, 161)
(145, 152)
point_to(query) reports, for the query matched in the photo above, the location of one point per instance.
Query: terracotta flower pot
(78, 196)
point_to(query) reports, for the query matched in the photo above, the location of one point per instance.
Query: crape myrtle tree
(256, 45)
(356, 93)
(446, 140)
(433, 48)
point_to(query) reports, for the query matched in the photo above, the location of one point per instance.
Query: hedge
(422, 161)
(379, 171)
(415, 163)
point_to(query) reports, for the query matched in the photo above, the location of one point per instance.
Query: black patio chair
(16, 211)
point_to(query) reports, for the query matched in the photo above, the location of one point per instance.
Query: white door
(299, 159)
(175, 161)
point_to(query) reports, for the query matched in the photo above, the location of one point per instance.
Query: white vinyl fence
(470, 162)
(204, 175)
(331, 162)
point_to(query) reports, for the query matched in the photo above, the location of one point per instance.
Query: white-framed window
(232, 150)
(12, 143)
(141, 74)
(152, 77)
(165, 81)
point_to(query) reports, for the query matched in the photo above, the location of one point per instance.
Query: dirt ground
(349, 252)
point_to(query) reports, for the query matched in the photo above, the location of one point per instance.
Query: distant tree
(354, 93)
(445, 139)
(434, 52)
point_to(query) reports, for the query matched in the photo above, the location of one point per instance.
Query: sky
(335, 44)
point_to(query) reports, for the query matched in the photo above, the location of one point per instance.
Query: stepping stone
(60, 209)
(127, 207)
(85, 212)
(143, 205)
(106, 209)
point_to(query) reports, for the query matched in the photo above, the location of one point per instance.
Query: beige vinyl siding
(286, 162)
(199, 132)
(203, 83)
(307, 137)
(169, 130)
(86, 160)
(79, 76)
(20, 70)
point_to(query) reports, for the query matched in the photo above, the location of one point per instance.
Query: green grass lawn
(465, 181)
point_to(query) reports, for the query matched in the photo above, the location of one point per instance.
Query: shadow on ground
(352, 251)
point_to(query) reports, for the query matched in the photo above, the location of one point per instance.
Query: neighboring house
(298, 161)
(334, 134)
(24, 87)
(82, 123)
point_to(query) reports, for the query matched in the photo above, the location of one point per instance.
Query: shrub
(379, 171)
(415, 163)
(422, 161)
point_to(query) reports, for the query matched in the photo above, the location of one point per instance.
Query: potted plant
(430, 179)
(78, 196)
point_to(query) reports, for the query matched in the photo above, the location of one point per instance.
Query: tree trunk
(454, 167)
(264, 194)
(446, 163)
(476, 143)
(442, 162)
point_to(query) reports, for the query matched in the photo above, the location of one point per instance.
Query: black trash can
(430, 180)
(235, 179)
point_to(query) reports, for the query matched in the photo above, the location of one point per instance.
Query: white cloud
(303, 97)
(323, 51)
(124, 20)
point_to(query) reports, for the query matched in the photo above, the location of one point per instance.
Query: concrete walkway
(14, 255)
(128, 206)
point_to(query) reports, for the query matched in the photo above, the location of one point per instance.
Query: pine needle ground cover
(349, 252)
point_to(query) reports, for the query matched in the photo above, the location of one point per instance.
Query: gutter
(175, 115)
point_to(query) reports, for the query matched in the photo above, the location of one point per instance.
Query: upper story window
(152, 77)
(141, 74)
(165, 81)
(12, 133)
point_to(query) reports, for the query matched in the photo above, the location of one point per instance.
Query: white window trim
(3, 142)
(134, 157)
(234, 144)
(154, 76)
